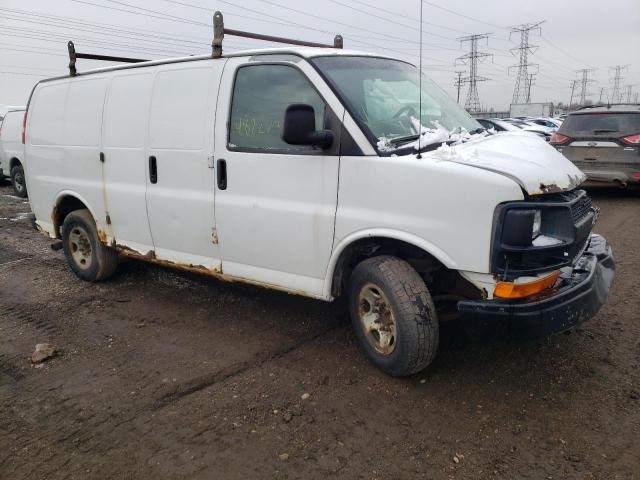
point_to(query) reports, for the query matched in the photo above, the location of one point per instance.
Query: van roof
(304, 52)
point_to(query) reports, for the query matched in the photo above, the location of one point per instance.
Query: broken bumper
(583, 290)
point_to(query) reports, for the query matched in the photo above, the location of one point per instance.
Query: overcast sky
(576, 34)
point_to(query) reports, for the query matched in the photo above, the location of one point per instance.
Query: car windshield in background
(384, 96)
(601, 123)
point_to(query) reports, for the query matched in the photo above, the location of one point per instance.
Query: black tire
(96, 261)
(18, 181)
(416, 324)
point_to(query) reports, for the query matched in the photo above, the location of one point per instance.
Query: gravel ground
(163, 375)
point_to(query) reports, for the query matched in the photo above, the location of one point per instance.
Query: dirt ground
(166, 375)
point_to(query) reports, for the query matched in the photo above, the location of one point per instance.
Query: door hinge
(214, 237)
(210, 161)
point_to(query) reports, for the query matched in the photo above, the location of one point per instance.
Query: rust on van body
(215, 272)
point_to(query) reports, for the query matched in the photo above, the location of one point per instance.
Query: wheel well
(364, 248)
(14, 162)
(65, 206)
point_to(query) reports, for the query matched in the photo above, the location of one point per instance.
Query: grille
(581, 202)
(581, 208)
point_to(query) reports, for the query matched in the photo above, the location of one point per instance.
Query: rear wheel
(87, 256)
(18, 181)
(393, 315)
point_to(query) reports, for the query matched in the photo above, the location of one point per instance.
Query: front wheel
(18, 181)
(393, 315)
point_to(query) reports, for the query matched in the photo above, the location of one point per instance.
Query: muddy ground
(166, 375)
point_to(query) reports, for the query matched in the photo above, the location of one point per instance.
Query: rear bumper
(608, 177)
(583, 289)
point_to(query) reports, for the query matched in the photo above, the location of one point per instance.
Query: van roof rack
(219, 31)
(73, 55)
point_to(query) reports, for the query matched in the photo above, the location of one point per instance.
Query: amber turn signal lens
(521, 290)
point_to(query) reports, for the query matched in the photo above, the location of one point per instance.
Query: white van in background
(311, 170)
(12, 149)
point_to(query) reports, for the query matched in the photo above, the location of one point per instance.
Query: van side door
(275, 202)
(123, 157)
(180, 180)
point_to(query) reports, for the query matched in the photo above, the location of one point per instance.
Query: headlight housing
(539, 235)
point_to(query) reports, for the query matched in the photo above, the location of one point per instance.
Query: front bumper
(579, 294)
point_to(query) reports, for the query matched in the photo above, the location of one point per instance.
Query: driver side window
(261, 94)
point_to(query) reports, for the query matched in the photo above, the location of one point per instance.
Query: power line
(521, 91)
(462, 15)
(472, 102)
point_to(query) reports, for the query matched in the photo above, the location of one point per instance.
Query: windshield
(384, 96)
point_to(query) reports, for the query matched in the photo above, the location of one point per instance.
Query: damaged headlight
(525, 228)
(539, 234)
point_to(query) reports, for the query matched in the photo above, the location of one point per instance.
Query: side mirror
(299, 127)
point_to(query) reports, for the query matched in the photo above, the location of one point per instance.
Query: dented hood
(527, 159)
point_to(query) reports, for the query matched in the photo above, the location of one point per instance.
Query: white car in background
(12, 149)
(504, 125)
(551, 123)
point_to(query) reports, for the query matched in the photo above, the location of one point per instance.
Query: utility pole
(520, 91)
(601, 92)
(573, 87)
(472, 102)
(617, 78)
(584, 82)
(530, 80)
(458, 82)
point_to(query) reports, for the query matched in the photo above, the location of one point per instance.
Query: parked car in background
(604, 142)
(12, 150)
(529, 127)
(529, 124)
(500, 125)
(550, 123)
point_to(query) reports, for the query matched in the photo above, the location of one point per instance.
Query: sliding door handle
(221, 174)
(153, 169)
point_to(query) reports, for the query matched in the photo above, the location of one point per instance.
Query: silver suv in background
(603, 142)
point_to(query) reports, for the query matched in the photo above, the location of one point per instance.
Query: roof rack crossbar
(73, 56)
(219, 32)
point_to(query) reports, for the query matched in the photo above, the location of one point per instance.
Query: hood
(527, 159)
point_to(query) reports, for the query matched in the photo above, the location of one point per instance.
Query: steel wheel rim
(19, 181)
(80, 247)
(376, 319)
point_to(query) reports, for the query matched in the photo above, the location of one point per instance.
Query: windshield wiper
(406, 138)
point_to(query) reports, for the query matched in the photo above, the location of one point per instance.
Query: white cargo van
(12, 149)
(310, 170)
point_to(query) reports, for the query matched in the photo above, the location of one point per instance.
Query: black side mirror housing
(299, 127)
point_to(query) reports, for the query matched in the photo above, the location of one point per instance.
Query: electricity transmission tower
(628, 94)
(458, 82)
(530, 81)
(573, 89)
(521, 90)
(472, 102)
(584, 82)
(617, 78)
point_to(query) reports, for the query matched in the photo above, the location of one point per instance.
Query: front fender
(388, 233)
